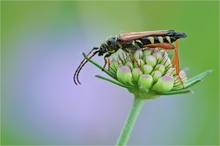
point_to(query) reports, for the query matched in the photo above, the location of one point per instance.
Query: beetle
(132, 41)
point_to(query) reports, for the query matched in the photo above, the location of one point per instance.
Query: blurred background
(42, 45)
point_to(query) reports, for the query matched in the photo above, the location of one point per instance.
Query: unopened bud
(164, 84)
(171, 70)
(140, 63)
(180, 79)
(166, 61)
(156, 75)
(130, 65)
(158, 56)
(147, 69)
(124, 75)
(136, 73)
(145, 81)
(138, 54)
(183, 75)
(147, 52)
(128, 59)
(151, 60)
(160, 68)
(113, 66)
(164, 53)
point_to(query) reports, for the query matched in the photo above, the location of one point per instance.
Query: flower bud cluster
(148, 69)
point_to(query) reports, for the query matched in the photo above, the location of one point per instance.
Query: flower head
(148, 73)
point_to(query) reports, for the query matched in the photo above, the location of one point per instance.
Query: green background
(41, 45)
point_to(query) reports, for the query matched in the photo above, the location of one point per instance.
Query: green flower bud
(130, 65)
(158, 56)
(140, 62)
(151, 60)
(128, 59)
(182, 76)
(136, 73)
(147, 51)
(113, 66)
(164, 84)
(166, 61)
(138, 54)
(147, 69)
(160, 68)
(145, 81)
(156, 75)
(124, 75)
(171, 70)
(164, 53)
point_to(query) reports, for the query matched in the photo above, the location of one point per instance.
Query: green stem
(129, 124)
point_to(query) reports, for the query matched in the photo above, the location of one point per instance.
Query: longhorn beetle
(135, 40)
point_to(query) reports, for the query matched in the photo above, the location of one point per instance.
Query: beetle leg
(108, 63)
(132, 57)
(175, 62)
(106, 60)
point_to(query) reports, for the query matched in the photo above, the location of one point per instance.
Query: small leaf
(112, 81)
(175, 92)
(192, 81)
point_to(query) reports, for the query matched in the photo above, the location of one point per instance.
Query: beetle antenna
(74, 77)
(82, 63)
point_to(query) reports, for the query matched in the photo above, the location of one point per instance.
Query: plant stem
(129, 124)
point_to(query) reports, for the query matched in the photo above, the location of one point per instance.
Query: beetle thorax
(111, 45)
